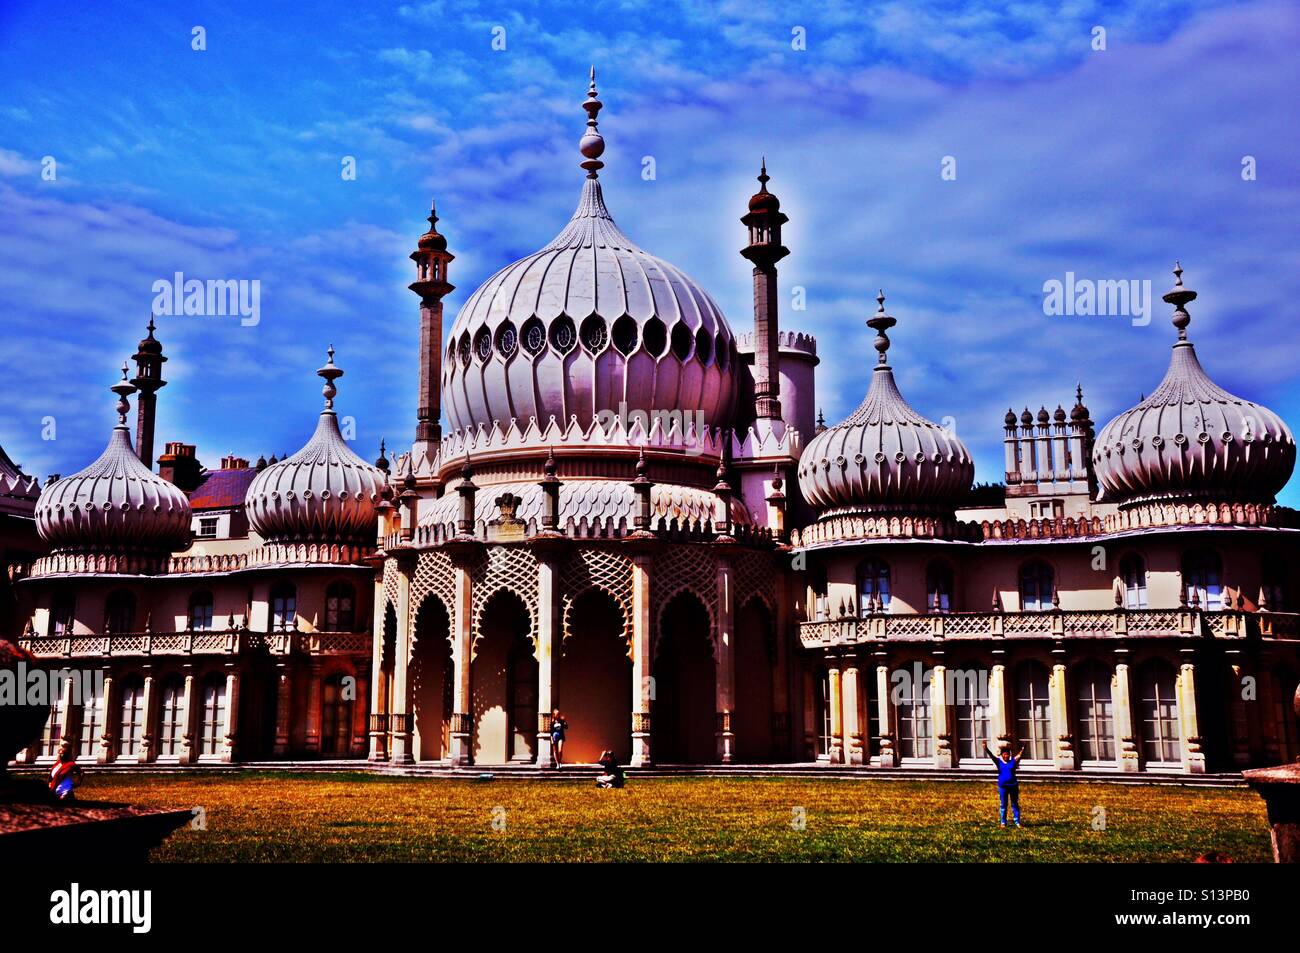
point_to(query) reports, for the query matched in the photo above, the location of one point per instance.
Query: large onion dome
(885, 458)
(588, 323)
(1191, 441)
(324, 495)
(117, 505)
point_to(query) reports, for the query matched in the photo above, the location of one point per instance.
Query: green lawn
(352, 817)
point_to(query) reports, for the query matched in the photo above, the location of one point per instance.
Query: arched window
(938, 586)
(969, 693)
(119, 612)
(336, 717)
(201, 611)
(284, 607)
(1203, 579)
(1037, 583)
(873, 587)
(131, 726)
(1033, 711)
(340, 607)
(1133, 574)
(63, 611)
(1273, 586)
(171, 721)
(213, 720)
(915, 726)
(52, 733)
(1159, 711)
(1094, 711)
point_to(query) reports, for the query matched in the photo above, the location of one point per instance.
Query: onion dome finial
(880, 323)
(592, 144)
(331, 373)
(549, 468)
(432, 240)
(1010, 418)
(382, 462)
(123, 389)
(763, 200)
(1179, 296)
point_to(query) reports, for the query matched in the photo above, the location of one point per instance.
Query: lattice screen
(597, 569)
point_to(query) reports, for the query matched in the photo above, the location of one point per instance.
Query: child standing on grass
(1008, 783)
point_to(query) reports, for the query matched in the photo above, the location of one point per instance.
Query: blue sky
(225, 163)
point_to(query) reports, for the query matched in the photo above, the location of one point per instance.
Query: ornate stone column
(1065, 755)
(189, 717)
(885, 715)
(852, 701)
(642, 681)
(1189, 720)
(1129, 761)
(725, 684)
(941, 715)
(148, 733)
(230, 744)
(834, 698)
(999, 722)
(378, 715)
(283, 707)
(108, 730)
(73, 688)
(548, 614)
(400, 703)
(461, 734)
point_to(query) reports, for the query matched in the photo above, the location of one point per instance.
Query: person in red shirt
(66, 773)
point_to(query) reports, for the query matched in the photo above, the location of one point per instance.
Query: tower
(431, 260)
(764, 221)
(148, 381)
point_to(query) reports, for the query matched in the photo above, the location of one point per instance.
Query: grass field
(358, 817)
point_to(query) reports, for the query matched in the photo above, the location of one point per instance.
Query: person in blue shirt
(1008, 783)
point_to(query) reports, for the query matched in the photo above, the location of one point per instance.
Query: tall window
(91, 723)
(52, 733)
(1133, 573)
(1203, 577)
(915, 726)
(1288, 737)
(336, 718)
(1159, 709)
(171, 722)
(63, 610)
(132, 724)
(119, 612)
(1095, 712)
(821, 604)
(824, 708)
(970, 698)
(201, 611)
(1033, 711)
(1273, 586)
(1037, 582)
(873, 587)
(938, 587)
(213, 722)
(340, 607)
(284, 606)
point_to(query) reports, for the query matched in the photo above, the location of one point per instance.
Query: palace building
(616, 505)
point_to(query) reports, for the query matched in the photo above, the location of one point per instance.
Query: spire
(382, 462)
(331, 374)
(1179, 296)
(592, 144)
(763, 177)
(123, 389)
(881, 323)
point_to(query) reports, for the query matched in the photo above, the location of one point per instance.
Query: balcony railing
(1056, 624)
(206, 643)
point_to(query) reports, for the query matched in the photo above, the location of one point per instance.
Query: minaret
(431, 259)
(764, 222)
(148, 381)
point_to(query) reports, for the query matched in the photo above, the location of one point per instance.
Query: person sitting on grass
(66, 773)
(1008, 783)
(612, 774)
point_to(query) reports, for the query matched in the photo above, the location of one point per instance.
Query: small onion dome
(1042, 415)
(324, 493)
(763, 200)
(1191, 440)
(1026, 418)
(1010, 418)
(117, 504)
(885, 456)
(150, 344)
(1058, 416)
(432, 240)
